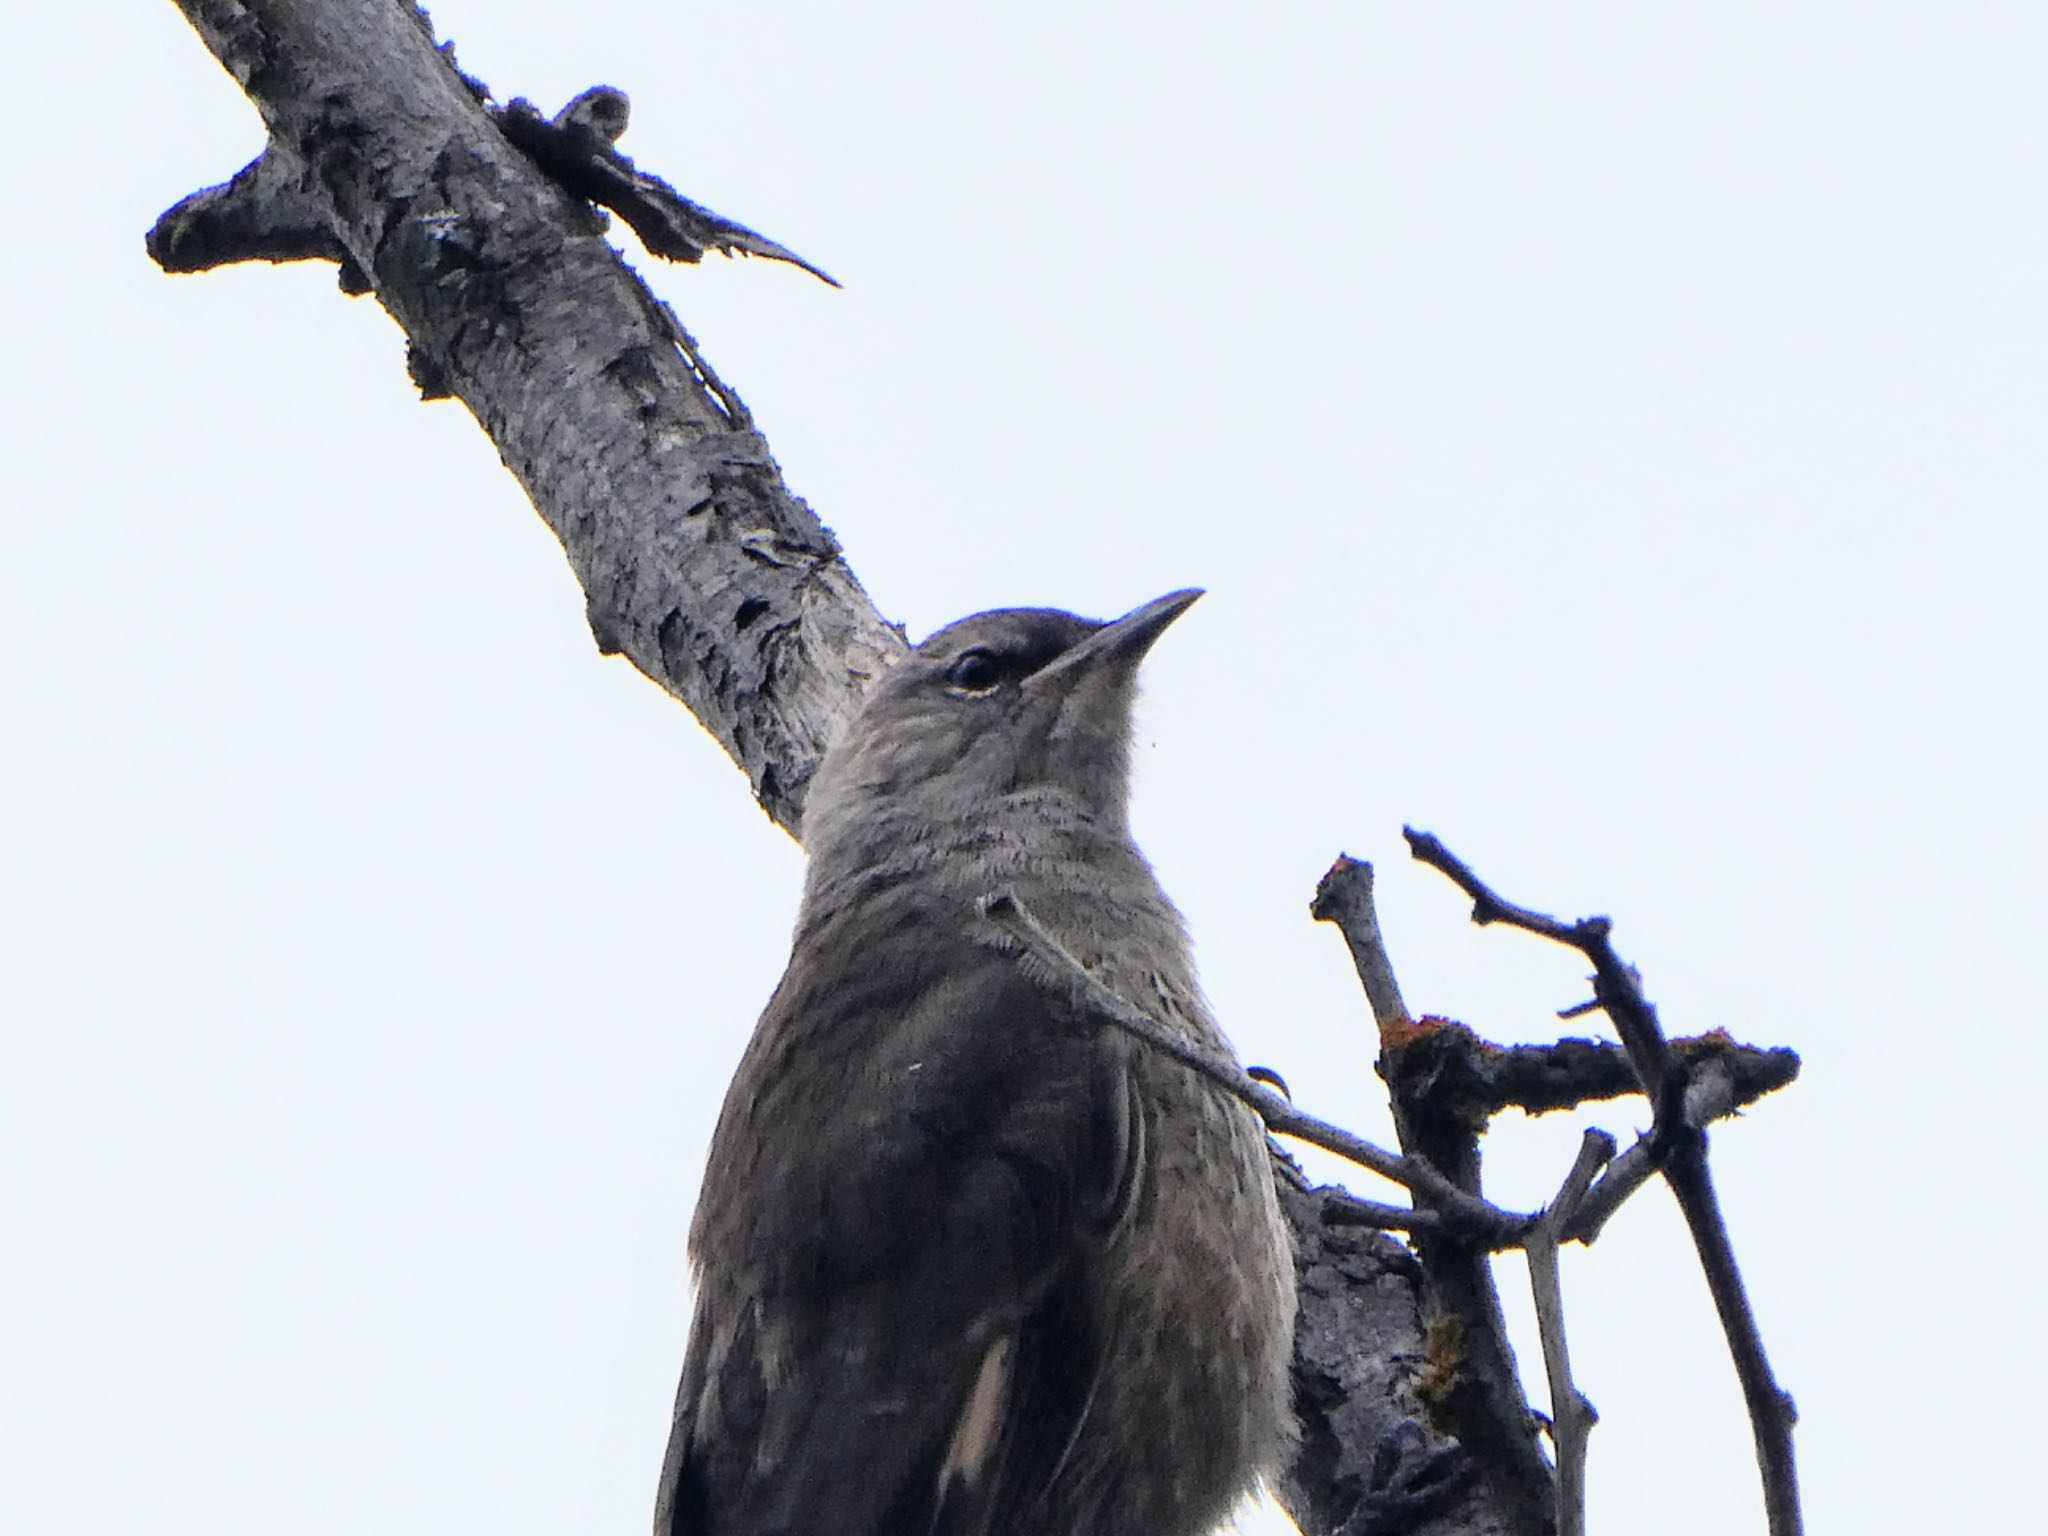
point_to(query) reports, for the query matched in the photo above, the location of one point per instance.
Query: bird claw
(1412, 1478)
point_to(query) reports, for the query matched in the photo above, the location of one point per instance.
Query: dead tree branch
(696, 561)
(1571, 1416)
(1677, 1147)
(1344, 897)
(1476, 1397)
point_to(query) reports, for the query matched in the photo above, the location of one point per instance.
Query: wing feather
(917, 1165)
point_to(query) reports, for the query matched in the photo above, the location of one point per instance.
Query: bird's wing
(893, 1332)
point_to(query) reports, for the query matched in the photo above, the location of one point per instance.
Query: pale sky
(1611, 436)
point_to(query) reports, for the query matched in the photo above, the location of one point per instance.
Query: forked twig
(1677, 1146)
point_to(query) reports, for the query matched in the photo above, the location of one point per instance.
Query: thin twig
(1486, 1222)
(1771, 1411)
(1571, 1417)
(1679, 1148)
(1341, 1208)
(1344, 897)
(1713, 1091)
(1484, 1078)
(1615, 987)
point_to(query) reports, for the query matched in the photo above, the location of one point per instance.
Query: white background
(1611, 436)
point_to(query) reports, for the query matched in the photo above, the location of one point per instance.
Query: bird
(966, 1262)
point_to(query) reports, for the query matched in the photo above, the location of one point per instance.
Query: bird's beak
(1119, 645)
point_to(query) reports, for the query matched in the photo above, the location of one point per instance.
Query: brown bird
(969, 1264)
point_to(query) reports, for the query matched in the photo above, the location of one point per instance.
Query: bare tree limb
(1772, 1414)
(1678, 1147)
(696, 561)
(1567, 1073)
(1477, 1396)
(1717, 1086)
(1344, 897)
(1614, 984)
(1536, 1078)
(1571, 1417)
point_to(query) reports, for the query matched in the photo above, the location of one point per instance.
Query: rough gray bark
(695, 560)
(697, 563)
(1366, 1363)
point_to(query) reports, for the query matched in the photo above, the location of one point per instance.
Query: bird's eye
(974, 672)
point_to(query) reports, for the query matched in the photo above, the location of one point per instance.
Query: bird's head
(1015, 699)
